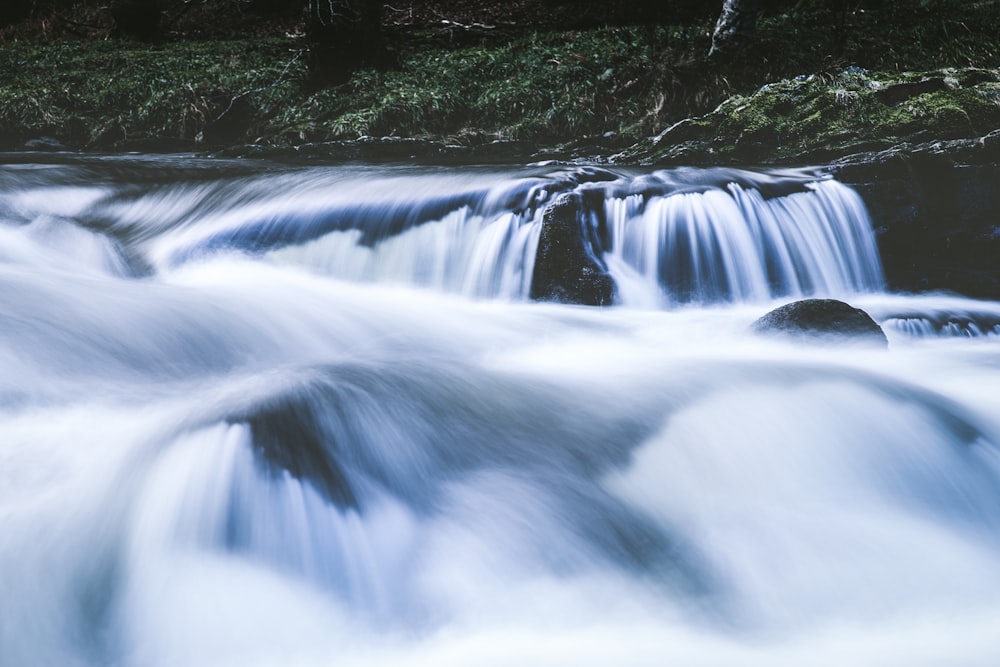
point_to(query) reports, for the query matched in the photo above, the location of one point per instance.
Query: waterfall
(670, 236)
(732, 244)
(259, 414)
(726, 242)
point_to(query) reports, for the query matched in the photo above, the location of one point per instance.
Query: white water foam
(528, 483)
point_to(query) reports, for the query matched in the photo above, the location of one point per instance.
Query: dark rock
(822, 318)
(936, 219)
(898, 92)
(568, 268)
(288, 436)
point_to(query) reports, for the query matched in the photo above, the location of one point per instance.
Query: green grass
(543, 88)
(103, 91)
(837, 114)
(540, 87)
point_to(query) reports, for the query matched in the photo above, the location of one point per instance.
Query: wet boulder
(568, 268)
(826, 319)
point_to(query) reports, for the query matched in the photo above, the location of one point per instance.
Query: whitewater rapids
(228, 441)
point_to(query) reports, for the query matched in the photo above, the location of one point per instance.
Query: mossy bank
(541, 88)
(820, 118)
(814, 85)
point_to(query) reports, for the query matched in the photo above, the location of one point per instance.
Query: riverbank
(512, 92)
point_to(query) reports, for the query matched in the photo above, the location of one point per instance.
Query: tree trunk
(344, 36)
(138, 19)
(734, 28)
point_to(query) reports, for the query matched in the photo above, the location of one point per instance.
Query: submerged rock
(288, 436)
(822, 318)
(567, 264)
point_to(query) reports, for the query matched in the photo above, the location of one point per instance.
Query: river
(275, 414)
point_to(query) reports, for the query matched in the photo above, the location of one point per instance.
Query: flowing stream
(261, 414)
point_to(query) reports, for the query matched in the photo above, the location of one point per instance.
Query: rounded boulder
(826, 319)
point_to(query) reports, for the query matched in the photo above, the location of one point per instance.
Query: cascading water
(681, 235)
(274, 415)
(733, 244)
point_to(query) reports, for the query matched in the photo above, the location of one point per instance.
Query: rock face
(828, 319)
(936, 215)
(567, 264)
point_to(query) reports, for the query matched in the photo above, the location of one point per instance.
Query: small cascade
(665, 237)
(230, 503)
(733, 244)
(474, 235)
(485, 256)
(936, 316)
(925, 327)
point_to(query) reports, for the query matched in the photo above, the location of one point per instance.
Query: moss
(837, 113)
(541, 88)
(88, 91)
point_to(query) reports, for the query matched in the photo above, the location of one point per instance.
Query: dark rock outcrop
(828, 319)
(568, 268)
(936, 215)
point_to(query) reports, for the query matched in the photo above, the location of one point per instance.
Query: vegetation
(822, 117)
(108, 93)
(539, 87)
(599, 88)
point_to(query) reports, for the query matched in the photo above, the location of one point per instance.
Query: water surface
(292, 415)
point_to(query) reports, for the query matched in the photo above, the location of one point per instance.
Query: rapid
(272, 414)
